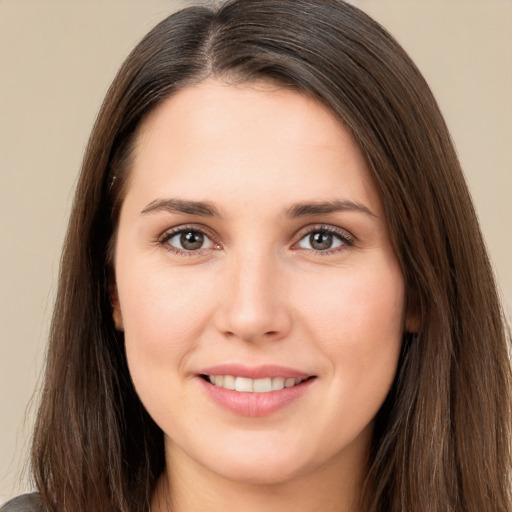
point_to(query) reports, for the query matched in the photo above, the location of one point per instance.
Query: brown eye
(323, 240)
(320, 241)
(188, 240)
(191, 240)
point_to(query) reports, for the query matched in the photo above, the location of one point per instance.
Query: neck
(333, 487)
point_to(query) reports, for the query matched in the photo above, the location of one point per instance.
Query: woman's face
(260, 296)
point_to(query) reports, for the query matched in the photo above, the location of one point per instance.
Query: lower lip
(255, 404)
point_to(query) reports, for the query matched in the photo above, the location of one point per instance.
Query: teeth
(245, 385)
(229, 382)
(262, 385)
(288, 383)
(277, 383)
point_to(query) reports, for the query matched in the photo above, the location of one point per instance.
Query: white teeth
(277, 383)
(262, 385)
(246, 385)
(288, 383)
(229, 382)
(243, 384)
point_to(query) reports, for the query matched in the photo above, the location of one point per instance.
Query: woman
(274, 293)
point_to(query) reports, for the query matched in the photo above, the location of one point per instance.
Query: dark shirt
(24, 503)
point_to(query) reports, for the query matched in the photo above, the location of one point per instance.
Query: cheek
(163, 315)
(366, 303)
(357, 321)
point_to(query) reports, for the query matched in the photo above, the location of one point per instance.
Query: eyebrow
(201, 208)
(323, 207)
(303, 209)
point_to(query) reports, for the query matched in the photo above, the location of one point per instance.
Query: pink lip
(254, 372)
(254, 404)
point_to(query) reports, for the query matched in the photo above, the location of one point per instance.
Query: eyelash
(168, 235)
(346, 239)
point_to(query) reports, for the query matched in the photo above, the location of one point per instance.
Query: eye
(187, 240)
(325, 240)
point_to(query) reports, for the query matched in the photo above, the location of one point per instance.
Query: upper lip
(254, 372)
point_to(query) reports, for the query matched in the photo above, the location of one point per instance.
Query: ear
(116, 308)
(412, 323)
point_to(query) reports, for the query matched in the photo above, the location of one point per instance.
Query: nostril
(253, 321)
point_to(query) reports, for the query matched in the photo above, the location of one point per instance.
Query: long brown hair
(442, 438)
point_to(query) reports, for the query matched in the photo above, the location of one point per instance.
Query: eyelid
(347, 238)
(169, 233)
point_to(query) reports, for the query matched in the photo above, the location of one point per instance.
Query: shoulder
(24, 503)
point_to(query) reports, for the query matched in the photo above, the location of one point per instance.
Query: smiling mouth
(247, 385)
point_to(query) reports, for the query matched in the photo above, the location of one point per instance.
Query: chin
(260, 472)
(245, 459)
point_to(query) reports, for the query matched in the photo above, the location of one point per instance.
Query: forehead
(219, 139)
(220, 105)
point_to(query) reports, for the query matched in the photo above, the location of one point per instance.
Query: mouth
(248, 385)
(253, 391)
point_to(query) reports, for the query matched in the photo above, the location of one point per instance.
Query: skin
(257, 292)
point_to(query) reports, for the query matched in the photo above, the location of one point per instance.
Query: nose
(254, 306)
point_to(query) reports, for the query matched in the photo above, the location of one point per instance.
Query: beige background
(57, 59)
